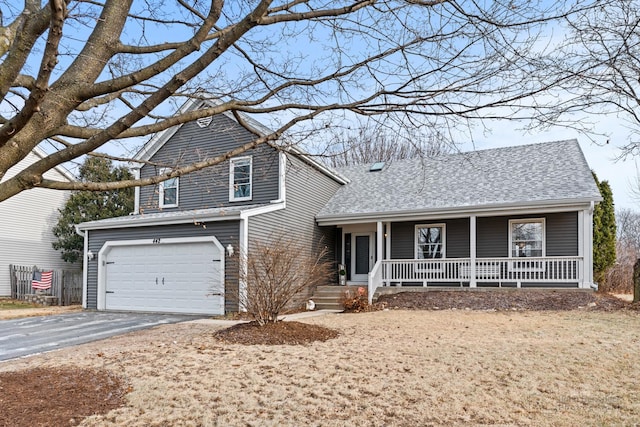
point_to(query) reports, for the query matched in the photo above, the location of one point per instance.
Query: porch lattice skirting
(533, 270)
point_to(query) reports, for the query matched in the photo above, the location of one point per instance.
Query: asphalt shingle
(520, 175)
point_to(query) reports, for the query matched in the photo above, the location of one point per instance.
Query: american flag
(41, 279)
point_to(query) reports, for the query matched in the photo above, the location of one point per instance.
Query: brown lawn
(397, 367)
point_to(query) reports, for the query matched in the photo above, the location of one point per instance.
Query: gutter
(85, 270)
(531, 207)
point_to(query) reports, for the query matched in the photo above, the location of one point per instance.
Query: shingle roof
(522, 175)
(170, 216)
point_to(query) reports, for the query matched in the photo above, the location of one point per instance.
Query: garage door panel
(174, 277)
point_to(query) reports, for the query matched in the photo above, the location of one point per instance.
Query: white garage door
(165, 277)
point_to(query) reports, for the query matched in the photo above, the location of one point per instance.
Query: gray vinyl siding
(209, 188)
(492, 236)
(227, 232)
(456, 235)
(307, 191)
(561, 234)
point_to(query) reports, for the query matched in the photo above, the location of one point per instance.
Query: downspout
(85, 272)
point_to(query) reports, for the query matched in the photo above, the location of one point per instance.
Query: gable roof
(59, 168)
(161, 138)
(521, 176)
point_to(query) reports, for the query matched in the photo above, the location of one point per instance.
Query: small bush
(355, 300)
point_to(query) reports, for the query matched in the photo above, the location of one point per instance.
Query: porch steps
(330, 297)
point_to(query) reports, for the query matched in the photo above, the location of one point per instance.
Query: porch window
(240, 176)
(527, 237)
(168, 192)
(430, 241)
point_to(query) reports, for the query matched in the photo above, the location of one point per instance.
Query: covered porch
(551, 248)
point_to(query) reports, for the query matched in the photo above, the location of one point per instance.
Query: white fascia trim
(161, 221)
(85, 272)
(136, 192)
(282, 178)
(427, 214)
(110, 244)
(262, 210)
(85, 267)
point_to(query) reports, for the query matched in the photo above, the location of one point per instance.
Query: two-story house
(516, 217)
(173, 254)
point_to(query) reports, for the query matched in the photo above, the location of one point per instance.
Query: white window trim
(161, 202)
(538, 266)
(232, 162)
(444, 246)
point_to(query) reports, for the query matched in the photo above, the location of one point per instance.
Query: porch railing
(374, 280)
(534, 270)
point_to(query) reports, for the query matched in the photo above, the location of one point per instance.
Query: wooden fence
(66, 285)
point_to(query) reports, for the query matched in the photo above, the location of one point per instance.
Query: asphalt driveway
(32, 335)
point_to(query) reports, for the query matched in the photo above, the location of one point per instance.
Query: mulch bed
(502, 300)
(280, 333)
(57, 397)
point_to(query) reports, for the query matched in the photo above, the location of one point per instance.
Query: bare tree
(302, 64)
(619, 278)
(376, 143)
(600, 62)
(276, 273)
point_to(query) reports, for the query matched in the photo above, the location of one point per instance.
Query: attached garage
(171, 275)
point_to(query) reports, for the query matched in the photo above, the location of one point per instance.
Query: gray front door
(363, 257)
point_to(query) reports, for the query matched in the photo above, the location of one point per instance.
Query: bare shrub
(619, 278)
(276, 272)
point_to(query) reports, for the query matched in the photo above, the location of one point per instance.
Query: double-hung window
(526, 237)
(168, 192)
(527, 240)
(430, 241)
(240, 176)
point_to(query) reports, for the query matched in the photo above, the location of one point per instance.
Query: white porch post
(388, 241)
(585, 246)
(379, 241)
(472, 252)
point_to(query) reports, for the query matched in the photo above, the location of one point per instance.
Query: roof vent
(376, 167)
(204, 121)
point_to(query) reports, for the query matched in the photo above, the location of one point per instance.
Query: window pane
(527, 239)
(170, 196)
(430, 243)
(242, 178)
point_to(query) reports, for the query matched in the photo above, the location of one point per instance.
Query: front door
(363, 256)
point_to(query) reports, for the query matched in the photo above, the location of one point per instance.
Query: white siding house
(26, 221)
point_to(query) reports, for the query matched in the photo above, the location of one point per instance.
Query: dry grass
(385, 368)
(31, 311)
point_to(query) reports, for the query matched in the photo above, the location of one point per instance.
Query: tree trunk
(636, 281)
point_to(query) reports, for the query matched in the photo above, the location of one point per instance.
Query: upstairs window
(527, 238)
(430, 241)
(240, 175)
(168, 193)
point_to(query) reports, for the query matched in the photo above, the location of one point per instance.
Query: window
(168, 192)
(430, 240)
(240, 179)
(527, 238)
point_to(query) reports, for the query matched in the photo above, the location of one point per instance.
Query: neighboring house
(26, 221)
(173, 254)
(521, 215)
(511, 217)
